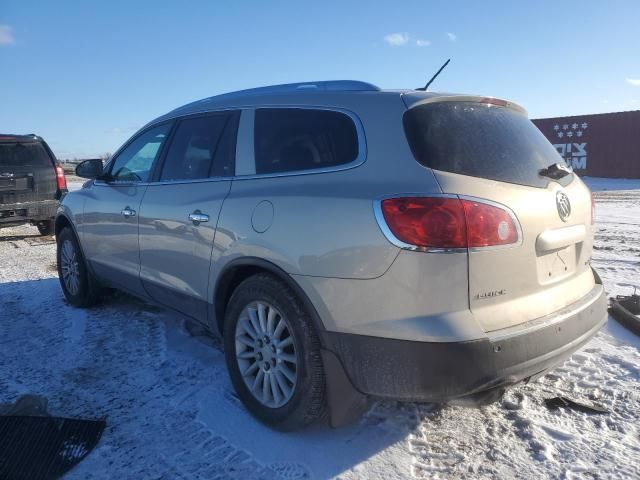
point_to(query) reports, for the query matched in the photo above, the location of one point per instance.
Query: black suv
(31, 182)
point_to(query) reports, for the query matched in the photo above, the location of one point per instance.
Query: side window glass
(202, 147)
(293, 139)
(134, 163)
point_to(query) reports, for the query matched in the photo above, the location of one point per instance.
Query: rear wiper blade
(556, 171)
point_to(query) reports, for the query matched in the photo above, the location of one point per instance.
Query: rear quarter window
(480, 140)
(295, 139)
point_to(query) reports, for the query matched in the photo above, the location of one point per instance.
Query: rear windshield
(23, 154)
(480, 140)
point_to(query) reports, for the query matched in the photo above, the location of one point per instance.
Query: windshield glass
(480, 140)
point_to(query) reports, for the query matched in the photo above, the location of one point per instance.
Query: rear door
(491, 151)
(27, 171)
(180, 211)
(109, 227)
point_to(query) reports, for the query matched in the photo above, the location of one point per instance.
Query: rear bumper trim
(548, 320)
(441, 371)
(23, 212)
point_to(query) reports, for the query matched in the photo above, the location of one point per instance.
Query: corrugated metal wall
(604, 145)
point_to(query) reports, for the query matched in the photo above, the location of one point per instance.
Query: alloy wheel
(266, 354)
(69, 267)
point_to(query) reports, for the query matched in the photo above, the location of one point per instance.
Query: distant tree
(105, 157)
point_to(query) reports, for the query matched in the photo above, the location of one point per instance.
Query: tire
(83, 292)
(45, 228)
(306, 402)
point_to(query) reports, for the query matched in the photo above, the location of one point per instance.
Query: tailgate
(547, 271)
(27, 173)
(488, 150)
(10, 182)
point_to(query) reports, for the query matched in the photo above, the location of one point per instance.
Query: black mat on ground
(34, 448)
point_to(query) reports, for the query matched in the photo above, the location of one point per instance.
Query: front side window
(202, 147)
(134, 163)
(294, 139)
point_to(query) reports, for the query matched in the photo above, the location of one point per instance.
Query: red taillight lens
(437, 222)
(60, 178)
(488, 225)
(426, 221)
(593, 210)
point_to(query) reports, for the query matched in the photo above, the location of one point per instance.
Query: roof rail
(327, 85)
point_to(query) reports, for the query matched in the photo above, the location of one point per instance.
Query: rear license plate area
(556, 265)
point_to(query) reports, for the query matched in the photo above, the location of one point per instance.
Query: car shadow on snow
(161, 381)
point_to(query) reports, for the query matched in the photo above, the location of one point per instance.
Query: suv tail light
(60, 178)
(448, 222)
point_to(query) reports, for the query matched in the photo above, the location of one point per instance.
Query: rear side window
(202, 147)
(480, 140)
(23, 154)
(294, 139)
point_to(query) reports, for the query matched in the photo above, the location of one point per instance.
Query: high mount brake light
(60, 178)
(448, 222)
(495, 101)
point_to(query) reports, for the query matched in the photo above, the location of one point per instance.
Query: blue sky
(85, 75)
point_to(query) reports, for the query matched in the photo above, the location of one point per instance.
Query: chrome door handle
(128, 212)
(198, 217)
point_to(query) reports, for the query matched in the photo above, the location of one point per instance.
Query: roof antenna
(434, 77)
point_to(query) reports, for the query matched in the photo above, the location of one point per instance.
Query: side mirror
(89, 168)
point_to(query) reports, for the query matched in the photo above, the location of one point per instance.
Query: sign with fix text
(599, 145)
(571, 143)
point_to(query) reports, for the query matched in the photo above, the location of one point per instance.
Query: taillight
(60, 178)
(448, 222)
(426, 221)
(593, 209)
(488, 225)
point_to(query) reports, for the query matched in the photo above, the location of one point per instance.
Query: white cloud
(634, 81)
(397, 39)
(423, 43)
(6, 36)
(452, 36)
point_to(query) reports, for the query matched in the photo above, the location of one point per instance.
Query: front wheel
(77, 283)
(273, 354)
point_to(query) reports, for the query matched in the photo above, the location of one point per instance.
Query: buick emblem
(564, 206)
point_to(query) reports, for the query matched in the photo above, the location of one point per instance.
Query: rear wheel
(273, 354)
(78, 285)
(46, 227)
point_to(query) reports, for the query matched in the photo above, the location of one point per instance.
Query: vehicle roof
(331, 93)
(12, 138)
(320, 93)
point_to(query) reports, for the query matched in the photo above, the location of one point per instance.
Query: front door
(109, 227)
(179, 212)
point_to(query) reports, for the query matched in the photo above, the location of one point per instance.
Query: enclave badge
(564, 206)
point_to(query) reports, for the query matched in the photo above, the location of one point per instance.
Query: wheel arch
(63, 221)
(240, 269)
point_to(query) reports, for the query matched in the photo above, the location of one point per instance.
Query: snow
(171, 412)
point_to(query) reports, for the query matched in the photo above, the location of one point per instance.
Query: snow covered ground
(171, 411)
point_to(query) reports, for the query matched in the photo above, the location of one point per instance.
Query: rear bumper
(17, 213)
(440, 371)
